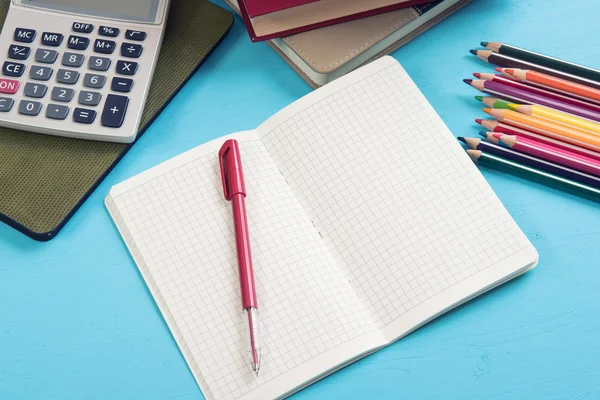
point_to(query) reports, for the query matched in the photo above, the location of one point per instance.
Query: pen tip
(474, 52)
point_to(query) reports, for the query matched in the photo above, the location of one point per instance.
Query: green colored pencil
(495, 102)
(533, 174)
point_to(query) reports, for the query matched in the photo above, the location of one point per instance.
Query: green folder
(44, 179)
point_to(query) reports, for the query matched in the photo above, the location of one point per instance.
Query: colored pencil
(491, 136)
(556, 116)
(555, 155)
(551, 82)
(510, 62)
(495, 102)
(533, 174)
(539, 91)
(546, 128)
(541, 59)
(521, 96)
(500, 128)
(534, 162)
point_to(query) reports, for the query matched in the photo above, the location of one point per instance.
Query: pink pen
(235, 191)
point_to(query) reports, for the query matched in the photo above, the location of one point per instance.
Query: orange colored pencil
(551, 82)
(545, 127)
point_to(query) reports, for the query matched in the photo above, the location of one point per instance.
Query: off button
(82, 28)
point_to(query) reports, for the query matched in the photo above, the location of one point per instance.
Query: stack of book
(325, 39)
(546, 118)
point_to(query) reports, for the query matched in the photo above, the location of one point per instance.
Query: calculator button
(94, 81)
(78, 42)
(115, 107)
(121, 84)
(108, 31)
(89, 98)
(45, 56)
(24, 35)
(104, 46)
(31, 108)
(126, 67)
(35, 90)
(6, 104)
(99, 63)
(57, 111)
(131, 50)
(82, 28)
(17, 52)
(135, 35)
(84, 115)
(72, 59)
(12, 68)
(52, 39)
(62, 94)
(67, 77)
(9, 86)
(40, 73)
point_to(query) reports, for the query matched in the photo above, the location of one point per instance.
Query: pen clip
(232, 175)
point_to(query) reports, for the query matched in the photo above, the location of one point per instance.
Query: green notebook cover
(44, 179)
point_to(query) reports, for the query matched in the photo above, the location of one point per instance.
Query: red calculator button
(8, 86)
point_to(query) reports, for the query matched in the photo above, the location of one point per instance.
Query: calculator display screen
(136, 10)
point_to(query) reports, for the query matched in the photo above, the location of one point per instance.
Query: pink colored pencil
(558, 156)
(499, 127)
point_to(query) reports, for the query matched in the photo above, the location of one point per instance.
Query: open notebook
(359, 235)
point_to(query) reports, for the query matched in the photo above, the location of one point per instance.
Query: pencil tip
(477, 75)
(510, 71)
(478, 120)
(498, 69)
(480, 98)
(487, 110)
(483, 133)
(474, 52)
(484, 44)
(462, 139)
(468, 81)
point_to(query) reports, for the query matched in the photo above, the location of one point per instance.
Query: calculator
(79, 68)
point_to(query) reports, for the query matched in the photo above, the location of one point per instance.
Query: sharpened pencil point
(498, 69)
(468, 81)
(483, 133)
(477, 75)
(510, 71)
(484, 44)
(478, 120)
(474, 52)
(487, 110)
(462, 139)
(480, 98)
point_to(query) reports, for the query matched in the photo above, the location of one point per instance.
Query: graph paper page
(394, 196)
(180, 231)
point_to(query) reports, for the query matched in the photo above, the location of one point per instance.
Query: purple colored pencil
(526, 97)
(531, 161)
(537, 90)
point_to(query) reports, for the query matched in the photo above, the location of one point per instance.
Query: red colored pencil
(555, 155)
(499, 127)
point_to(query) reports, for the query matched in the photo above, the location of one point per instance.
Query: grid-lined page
(180, 231)
(393, 194)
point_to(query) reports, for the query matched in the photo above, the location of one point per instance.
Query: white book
(359, 235)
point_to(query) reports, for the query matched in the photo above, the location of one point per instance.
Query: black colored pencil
(543, 60)
(504, 61)
(534, 162)
(533, 174)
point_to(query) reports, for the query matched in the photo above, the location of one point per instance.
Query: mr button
(52, 39)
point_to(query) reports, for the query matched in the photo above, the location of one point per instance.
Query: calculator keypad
(73, 55)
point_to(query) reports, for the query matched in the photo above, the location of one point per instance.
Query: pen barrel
(242, 244)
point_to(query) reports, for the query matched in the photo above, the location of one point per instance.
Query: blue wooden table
(77, 322)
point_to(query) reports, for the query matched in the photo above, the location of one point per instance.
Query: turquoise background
(77, 322)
